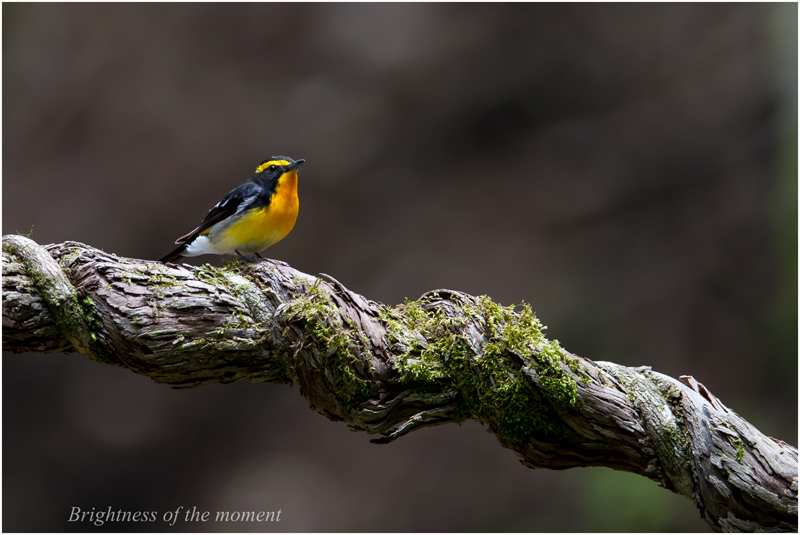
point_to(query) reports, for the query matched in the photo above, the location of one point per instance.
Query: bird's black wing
(232, 202)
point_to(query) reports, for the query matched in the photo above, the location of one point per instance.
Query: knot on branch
(450, 342)
(73, 314)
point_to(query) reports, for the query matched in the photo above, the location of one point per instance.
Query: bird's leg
(258, 255)
(242, 257)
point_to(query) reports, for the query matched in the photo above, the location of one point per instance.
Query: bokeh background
(629, 170)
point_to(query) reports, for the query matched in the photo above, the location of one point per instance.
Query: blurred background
(629, 170)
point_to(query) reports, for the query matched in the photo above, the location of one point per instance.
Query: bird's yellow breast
(259, 228)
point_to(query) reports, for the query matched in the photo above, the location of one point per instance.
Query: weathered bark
(445, 358)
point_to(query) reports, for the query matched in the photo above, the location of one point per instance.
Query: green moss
(161, 280)
(240, 321)
(222, 277)
(212, 275)
(324, 329)
(739, 449)
(88, 310)
(563, 386)
(490, 377)
(234, 266)
(87, 306)
(70, 257)
(577, 368)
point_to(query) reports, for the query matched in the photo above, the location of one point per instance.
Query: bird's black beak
(293, 165)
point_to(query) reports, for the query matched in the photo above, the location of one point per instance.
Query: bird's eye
(272, 167)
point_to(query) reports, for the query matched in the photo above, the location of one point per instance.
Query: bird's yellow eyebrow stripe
(271, 162)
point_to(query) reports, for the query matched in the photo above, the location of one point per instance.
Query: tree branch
(447, 357)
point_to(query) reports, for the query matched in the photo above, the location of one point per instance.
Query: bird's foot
(244, 259)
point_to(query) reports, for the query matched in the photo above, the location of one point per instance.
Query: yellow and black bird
(253, 216)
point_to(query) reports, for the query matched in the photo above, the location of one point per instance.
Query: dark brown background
(629, 170)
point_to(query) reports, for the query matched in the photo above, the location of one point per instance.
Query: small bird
(253, 216)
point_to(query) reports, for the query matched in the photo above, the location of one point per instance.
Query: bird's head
(276, 166)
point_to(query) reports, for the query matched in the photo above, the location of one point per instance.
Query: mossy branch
(444, 358)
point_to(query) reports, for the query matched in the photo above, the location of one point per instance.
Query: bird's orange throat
(284, 205)
(285, 197)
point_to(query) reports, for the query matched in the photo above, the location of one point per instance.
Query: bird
(251, 217)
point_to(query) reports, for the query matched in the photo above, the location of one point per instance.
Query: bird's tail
(175, 254)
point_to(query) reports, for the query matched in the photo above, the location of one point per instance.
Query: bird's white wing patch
(245, 203)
